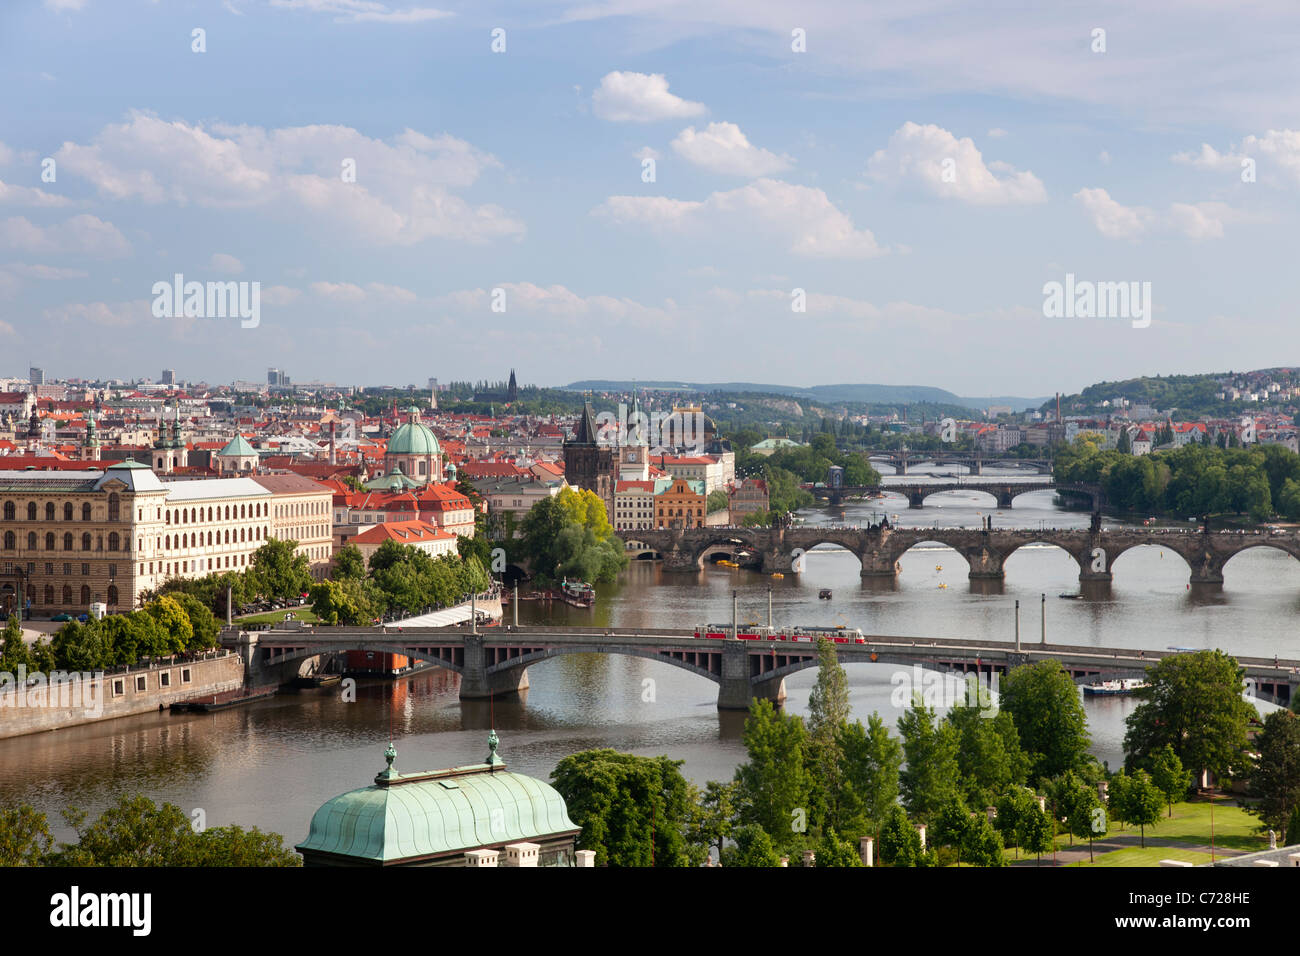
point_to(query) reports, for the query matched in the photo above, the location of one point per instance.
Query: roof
(290, 485)
(413, 438)
(238, 447)
(403, 532)
(213, 488)
(438, 813)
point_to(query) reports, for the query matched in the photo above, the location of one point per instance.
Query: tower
(512, 390)
(587, 464)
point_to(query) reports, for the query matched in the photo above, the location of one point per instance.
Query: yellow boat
(778, 574)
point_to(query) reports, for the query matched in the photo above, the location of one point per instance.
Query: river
(271, 764)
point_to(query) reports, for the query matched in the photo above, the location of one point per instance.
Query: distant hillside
(865, 394)
(1187, 396)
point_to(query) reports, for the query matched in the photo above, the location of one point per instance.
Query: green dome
(411, 816)
(413, 438)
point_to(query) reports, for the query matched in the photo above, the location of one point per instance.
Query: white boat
(1114, 688)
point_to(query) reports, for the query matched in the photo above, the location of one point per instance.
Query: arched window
(49, 511)
(9, 511)
(10, 541)
(112, 594)
(193, 515)
(185, 541)
(67, 541)
(31, 541)
(113, 541)
(241, 534)
(227, 512)
(167, 542)
(49, 595)
(67, 511)
(85, 594)
(209, 512)
(31, 511)
(85, 511)
(85, 541)
(227, 536)
(67, 594)
(209, 537)
(114, 507)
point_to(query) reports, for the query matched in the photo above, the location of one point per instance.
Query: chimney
(481, 858)
(522, 854)
(585, 858)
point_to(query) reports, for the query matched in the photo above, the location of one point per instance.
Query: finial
(388, 773)
(493, 759)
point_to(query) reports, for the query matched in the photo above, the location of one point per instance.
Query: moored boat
(1114, 688)
(577, 593)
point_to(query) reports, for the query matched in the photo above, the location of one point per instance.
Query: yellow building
(682, 503)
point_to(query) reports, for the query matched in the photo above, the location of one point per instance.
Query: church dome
(413, 438)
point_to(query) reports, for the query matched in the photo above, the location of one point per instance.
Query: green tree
(713, 819)
(717, 501)
(279, 571)
(828, 713)
(173, 620)
(1142, 802)
(1035, 832)
(634, 811)
(1193, 703)
(989, 756)
(931, 776)
(832, 851)
(753, 848)
(1012, 807)
(203, 623)
(1169, 776)
(349, 562)
(1276, 777)
(872, 758)
(25, 838)
(772, 786)
(13, 650)
(1045, 707)
(1084, 816)
(900, 843)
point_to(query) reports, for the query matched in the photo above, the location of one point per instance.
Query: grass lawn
(1151, 856)
(303, 613)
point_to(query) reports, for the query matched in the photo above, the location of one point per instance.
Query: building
(169, 376)
(72, 538)
(300, 511)
(36, 375)
(238, 457)
(417, 534)
(509, 499)
(634, 503)
(681, 503)
(746, 497)
(412, 452)
(769, 446)
(479, 815)
(588, 464)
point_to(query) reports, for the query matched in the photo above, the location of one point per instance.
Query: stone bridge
(494, 661)
(975, 461)
(986, 551)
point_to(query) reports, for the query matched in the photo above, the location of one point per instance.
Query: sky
(795, 193)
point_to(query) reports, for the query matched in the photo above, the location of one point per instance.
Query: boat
(1071, 597)
(824, 594)
(938, 567)
(230, 698)
(577, 593)
(1114, 688)
(777, 574)
(943, 587)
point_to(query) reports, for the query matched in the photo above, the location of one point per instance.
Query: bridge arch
(545, 654)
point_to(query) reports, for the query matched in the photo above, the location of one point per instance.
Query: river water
(271, 764)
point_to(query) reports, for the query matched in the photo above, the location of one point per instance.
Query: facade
(417, 534)
(746, 497)
(464, 816)
(238, 457)
(300, 511)
(70, 539)
(514, 497)
(634, 504)
(681, 503)
(706, 468)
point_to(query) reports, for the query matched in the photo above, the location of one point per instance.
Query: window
(67, 511)
(112, 594)
(31, 541)
(9, 511)
(113, 541)
(140, 684)
(112, 570)
(31, 511)
(114, 507)
(85, 511)
(85, 541)
(165, 679)
(85, 594)
(49, 594)
(67, 594)
(85, 570)
(49, 511)
(118, 687)
(49, 567)
(185, 675)
(67, 569)
(10, 541)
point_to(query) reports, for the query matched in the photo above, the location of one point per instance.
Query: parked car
(61, 617)
(83, 618)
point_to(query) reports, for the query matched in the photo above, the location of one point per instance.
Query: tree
(900, 843)
(349, 562)
(1012, 808)
(872, 759)
(1169, 776)
(1193, 703)
(1035, 832)
(634, 811)
(1081, 806)
(203, 623)
(13, 651)
(173, 620)
(1276, 777)
(931, 776)
(753, 848)
(714, 815)
(772, 786)
(279, 571)
(717, 501)
(989, 757)
(832, 851)
(1142, 801)
(828, 712)
(25, 838)
(1045, 707)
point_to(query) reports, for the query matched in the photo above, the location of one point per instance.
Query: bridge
(495, 661)
(916, 492)
(972, 460)
(986, 550)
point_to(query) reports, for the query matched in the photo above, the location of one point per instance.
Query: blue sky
(775, 170)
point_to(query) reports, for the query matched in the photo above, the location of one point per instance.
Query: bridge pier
(916, 499)
(679, 560)
(1005, 497)
(1207, 567)
(879, 563)
(985, 564)
(734, 688)
(477, 683)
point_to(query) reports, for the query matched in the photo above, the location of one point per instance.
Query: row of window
(142, 682)
(232, 513)
(10, 510)
(67, 569)
(115, 542)
(85, 595)
(302, 508)
(198, 539)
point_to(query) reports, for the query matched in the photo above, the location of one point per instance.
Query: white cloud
(280, 295)
(117, 315)
(339, 291)
(82, 235)
(1277, 149)
(362, 11)
(723, 148)
(402, 194)
(43, 271)
(1114, 220)
(30, 196)
(1104, 158)
(647, 152)
(803, 217)
(996, 133)
(640, 98)
(221, 262)
(932, 159)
